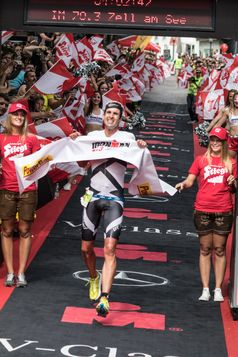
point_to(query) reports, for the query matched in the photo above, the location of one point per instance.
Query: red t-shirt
(214, 193)
(12, 146)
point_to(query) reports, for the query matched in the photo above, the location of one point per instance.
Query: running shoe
(10, 280)
(206, 296)
(218, 295)
(95, 287)
(21, 281)
(67, 186)
(102, 307)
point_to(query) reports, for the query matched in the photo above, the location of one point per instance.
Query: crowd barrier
(233, 281)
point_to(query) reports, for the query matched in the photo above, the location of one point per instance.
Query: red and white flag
(229, 76)
(85, 50)
(57, 79)
(75, 112)
(102, 55)
(114, 49)
(212, 81)
(132, 95)
(138, 63)
(183, 79)
(112, 96)
(139, 85)
(227, 59)
(54, 129)
(96, 41)
(66, 50)
(60, 171)
(117, 69)
(6, 35)
(212, 102)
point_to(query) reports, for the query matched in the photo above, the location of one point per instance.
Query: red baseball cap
(14, 107)
(220, 133)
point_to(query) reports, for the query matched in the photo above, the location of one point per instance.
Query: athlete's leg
(109, 266)
(91, 219)
(89, 257)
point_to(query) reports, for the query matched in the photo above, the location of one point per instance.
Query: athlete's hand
(141, 143)
(74, 134)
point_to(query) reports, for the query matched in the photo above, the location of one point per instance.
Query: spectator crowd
(65, 82)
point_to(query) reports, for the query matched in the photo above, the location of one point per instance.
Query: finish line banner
(144, 180)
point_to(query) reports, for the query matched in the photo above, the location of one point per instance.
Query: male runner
(106, 186)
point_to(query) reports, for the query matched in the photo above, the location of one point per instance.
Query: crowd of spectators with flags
(57, 75)
(60, 77)
(218, 76)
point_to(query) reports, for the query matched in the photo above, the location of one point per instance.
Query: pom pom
(87, 68)
(202, 134)
(137, 120)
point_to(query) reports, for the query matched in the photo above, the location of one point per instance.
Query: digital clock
(136, 14)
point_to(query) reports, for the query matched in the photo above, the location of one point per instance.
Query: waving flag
(127, 41)
(212, 102)
(62, 171)
(112, 96)
(96, 41)
(46, 135)
(212, 81)
(57, 79)
(54, 129)
(139, 85)
(6, 35)
(114, 49)
(227, 59)
(75, 112)
(102, 55)
(138, 63)
(229, 76)
(66, 50)
(85, 50)
(117, 69)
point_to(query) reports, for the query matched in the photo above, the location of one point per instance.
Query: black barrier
(1, 256)
(46, 191)
(233, 281)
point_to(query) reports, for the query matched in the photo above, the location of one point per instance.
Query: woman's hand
(180, 186)
(231, 180)
(187, 183)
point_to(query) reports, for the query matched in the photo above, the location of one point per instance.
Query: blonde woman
(213, 215)
(15, 141)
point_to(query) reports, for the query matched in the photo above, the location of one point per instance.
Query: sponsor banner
(144, 180)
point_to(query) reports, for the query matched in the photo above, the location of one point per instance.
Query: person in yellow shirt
(178, 64)
(193, 87)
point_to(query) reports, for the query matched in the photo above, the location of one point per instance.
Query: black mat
(157, 286)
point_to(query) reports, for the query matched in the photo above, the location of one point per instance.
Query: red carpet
(154, 306)
(46, 218)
